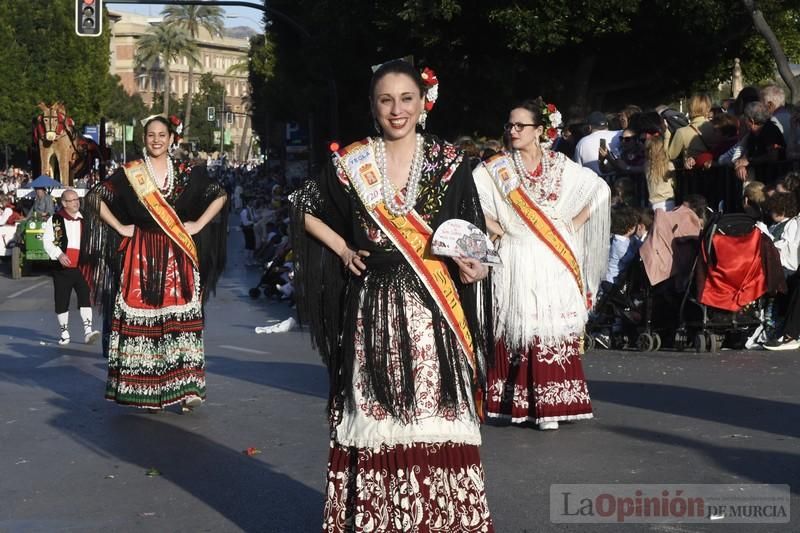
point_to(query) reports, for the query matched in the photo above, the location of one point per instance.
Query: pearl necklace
(170, 184)
(520, 165)
(412, 185)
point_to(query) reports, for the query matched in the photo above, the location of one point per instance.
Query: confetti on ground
(251, 451)
(152, 472)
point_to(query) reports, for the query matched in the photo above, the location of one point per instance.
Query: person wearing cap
(588, 148)
(62, 242)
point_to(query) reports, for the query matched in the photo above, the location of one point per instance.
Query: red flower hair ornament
(431, 83)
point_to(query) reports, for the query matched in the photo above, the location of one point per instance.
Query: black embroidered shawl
(329, 299)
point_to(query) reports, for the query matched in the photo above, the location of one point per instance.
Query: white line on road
(23, 291)
(239, 349)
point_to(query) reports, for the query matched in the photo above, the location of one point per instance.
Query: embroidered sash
(411, 235)
(166, 218)
(508, 181)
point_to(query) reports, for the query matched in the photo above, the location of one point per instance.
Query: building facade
(216, 55)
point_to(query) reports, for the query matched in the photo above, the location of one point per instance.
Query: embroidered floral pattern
(439, 488)
(545, 382)
(426, 370)
(568, 392)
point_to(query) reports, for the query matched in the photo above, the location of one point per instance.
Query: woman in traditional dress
(154, 243)
(551, 217)
(400, 330)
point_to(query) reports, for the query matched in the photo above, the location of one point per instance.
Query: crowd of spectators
(259, 200)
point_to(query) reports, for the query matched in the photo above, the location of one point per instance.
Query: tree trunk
(244, 145)
(187, 118)
(777, 50)
(166, 88)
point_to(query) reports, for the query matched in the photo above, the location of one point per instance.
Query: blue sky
(243, 16)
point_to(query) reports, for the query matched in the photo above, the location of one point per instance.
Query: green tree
(162, 45)
(209, 94)
(193, 19)
(44, 60)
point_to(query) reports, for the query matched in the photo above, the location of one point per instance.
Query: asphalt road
(70, 461)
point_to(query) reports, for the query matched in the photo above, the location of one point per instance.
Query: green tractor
(31, 248)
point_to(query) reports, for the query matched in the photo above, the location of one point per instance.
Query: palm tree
(163, 44)
(192, 19)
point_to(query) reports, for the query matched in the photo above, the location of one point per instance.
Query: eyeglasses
(517, 126)
(73, 200)
(627, 139)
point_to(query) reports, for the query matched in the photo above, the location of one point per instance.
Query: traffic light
(89, 18)
(212, 114)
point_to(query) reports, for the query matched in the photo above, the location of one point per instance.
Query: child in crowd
(780, 208)
(646, 215)
(753, 200)
(624, 243)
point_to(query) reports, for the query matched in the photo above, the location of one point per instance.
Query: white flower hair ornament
(551, 117)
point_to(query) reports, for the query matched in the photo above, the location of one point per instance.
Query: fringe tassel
(594, 238)
(212, 245)
(99, 246)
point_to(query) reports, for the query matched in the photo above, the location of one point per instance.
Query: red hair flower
(551, 108)
(552, 133)
(429, 77)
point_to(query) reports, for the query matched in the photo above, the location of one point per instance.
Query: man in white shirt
(586, 152)
(62, 242)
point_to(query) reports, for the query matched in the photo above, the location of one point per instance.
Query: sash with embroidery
(411, 235)
(509, 183)
(166, 218)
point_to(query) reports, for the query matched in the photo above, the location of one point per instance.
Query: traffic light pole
(221, 117)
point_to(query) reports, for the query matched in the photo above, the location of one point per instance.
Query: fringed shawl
(100, 245)
(535, 294)
(329, 300)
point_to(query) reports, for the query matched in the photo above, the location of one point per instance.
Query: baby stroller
(736, 267)
(619, 312)
(643, 310)
(633, 314)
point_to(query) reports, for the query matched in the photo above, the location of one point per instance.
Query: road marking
(23, 291)
(239, 349)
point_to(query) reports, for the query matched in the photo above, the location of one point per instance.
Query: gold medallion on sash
(158, 208)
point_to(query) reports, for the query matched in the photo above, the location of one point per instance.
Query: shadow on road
(759, 466)
(743, 411)
(300, 378)
(247, 491)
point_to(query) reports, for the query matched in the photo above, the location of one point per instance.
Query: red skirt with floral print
(416, 488)
(540, 384)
